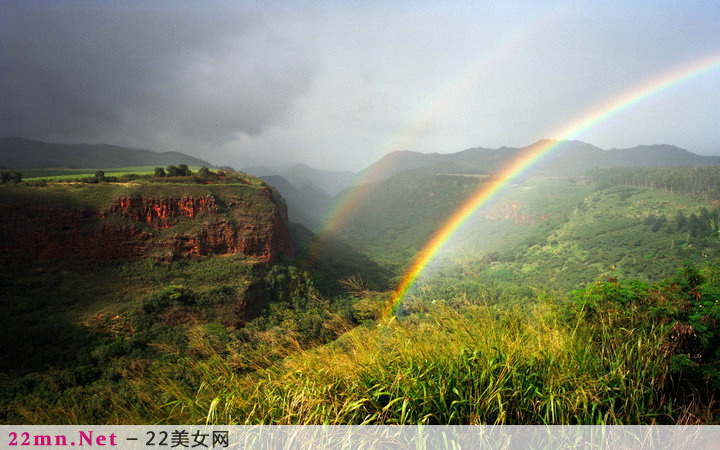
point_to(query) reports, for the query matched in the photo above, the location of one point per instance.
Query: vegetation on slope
(702, 183)
(619, 352)
(570, 319)
(394, 218)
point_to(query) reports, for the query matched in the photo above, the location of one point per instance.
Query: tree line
(700, 182)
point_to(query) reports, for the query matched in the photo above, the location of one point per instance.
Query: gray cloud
(143, 75)
(339, 84)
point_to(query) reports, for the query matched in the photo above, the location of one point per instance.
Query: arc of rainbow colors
(534, 153)
(435, 106)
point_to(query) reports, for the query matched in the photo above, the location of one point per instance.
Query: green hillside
(570, 230)
(564, 301)
(393, 219)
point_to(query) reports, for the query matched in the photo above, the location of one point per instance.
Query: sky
(337, 85)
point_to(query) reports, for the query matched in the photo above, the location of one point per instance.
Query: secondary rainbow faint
(435, 106)
(534, 153)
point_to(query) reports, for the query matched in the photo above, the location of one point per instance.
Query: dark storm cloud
(338, 84)
(145, 74)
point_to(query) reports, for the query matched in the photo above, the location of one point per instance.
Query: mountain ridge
(331, 182)
(22, 153)
(568, 159)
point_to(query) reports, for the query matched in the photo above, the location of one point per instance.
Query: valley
(218, 217)
(212, 297)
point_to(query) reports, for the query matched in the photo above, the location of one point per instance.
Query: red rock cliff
(137, 227)
(163, 212)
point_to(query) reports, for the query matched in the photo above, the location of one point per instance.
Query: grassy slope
(609, 358)
(81, 332)
(103, 195)
(494, 339)
(61, 174)
(73, 292)
(609, 229)
(553, 232)
(46, 303)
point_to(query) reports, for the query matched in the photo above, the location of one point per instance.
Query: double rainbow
(534, 153)
(436, 105)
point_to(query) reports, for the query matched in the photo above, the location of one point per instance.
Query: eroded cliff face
(137, 226)
(163, 212)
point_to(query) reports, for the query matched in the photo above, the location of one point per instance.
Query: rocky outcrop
(224, 237)
(137, 227)
(36, 232)
(163, 212)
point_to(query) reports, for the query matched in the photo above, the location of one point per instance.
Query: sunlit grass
(61, 174)
(477, 366)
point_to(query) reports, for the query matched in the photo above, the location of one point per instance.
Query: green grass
(613, 356)
(74, 292)
(101, 196)
(481, 366)
(489, 337)
(61, 174)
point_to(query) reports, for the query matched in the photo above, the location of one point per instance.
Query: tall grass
(478, 365)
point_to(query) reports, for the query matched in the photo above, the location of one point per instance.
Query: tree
(680, 221)
(204, 173)
(173, 171)
(159, 172)
(100, 175)
(184, 170)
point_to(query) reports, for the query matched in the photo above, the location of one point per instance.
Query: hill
(393, 218)
(299, 175)
(101, 279)
(567, 231)
(569, 158)
(23, 153)
(588, 300)
(307, 203)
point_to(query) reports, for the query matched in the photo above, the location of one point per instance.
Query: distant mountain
(662, 155)
(471, 161)
(331, 182)
(568, 158)
(575, 158)
(306, 202)
(23, 153)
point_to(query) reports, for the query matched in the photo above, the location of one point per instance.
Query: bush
(10, 177)
(172, 295)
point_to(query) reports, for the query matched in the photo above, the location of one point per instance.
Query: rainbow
(534, 153)
(435, 106)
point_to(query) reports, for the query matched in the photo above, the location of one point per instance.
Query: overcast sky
(337, 85)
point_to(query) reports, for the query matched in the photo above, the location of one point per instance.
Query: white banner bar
(350, 437)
